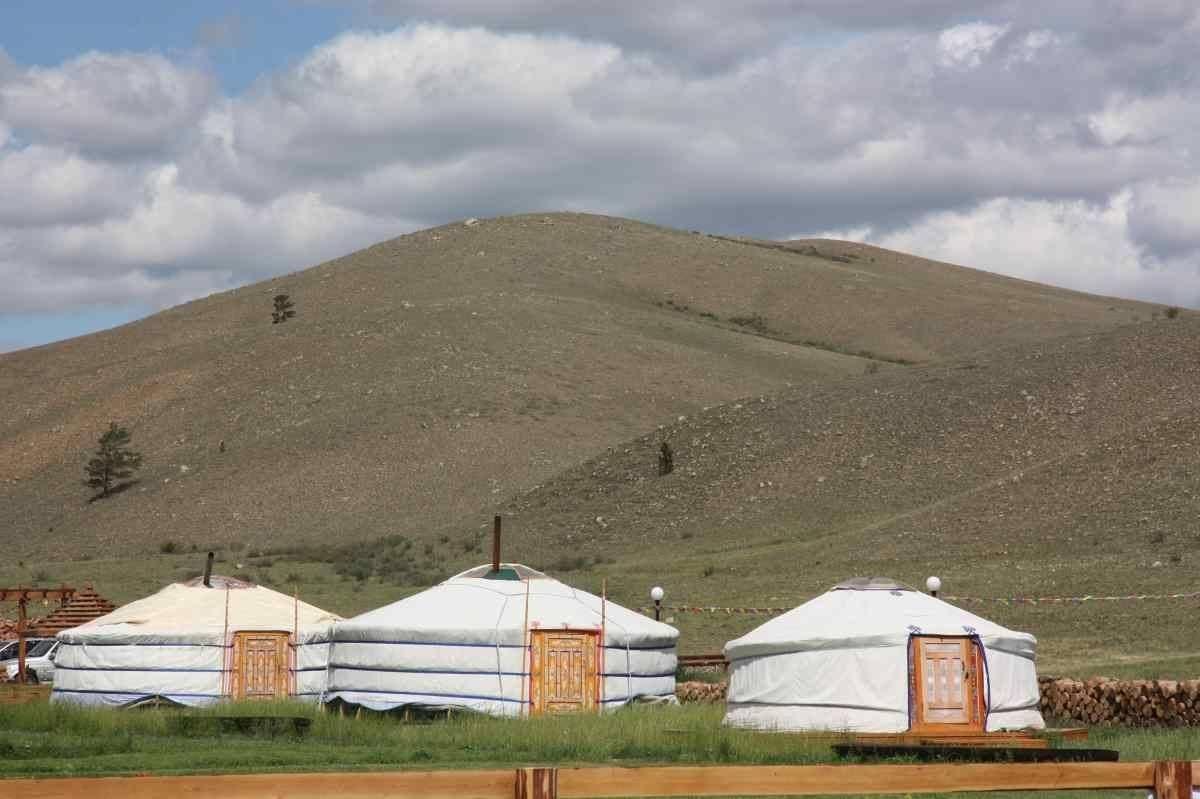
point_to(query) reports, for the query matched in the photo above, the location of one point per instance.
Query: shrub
(756, 322)
(710, 570)
(168, 547)
(570, 563)
(284, 309)
(1172, 312)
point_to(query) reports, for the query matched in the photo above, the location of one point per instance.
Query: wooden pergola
(22, 596)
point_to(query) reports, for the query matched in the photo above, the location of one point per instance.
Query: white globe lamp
(933, 585)
(657, 594)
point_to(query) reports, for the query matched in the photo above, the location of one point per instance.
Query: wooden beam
(382, 785)
(19, 594)
(551, 783)
(537, 783)
(848, 780)
(1173, 779)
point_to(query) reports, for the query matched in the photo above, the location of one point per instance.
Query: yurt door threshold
(563, 673)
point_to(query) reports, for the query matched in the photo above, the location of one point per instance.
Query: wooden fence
(12, 693)
(1169, 779)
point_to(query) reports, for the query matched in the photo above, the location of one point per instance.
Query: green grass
(59, 740)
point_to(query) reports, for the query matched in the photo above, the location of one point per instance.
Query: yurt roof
(866, 613)
(188, 608)
(481, 606)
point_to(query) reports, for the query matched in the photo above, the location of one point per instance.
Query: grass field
(55, 740)
(1147, 639)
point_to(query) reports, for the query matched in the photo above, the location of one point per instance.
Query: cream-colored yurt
(508, 641)
(194, 643)
(872, 655)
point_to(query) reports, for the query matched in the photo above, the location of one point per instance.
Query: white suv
(39, 660)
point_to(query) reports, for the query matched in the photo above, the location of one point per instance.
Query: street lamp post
(657, 594)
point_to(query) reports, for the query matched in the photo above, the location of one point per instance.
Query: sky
(152, 153)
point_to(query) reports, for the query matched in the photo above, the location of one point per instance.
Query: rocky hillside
(428, 379)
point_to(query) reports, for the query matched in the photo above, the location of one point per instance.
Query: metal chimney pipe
(496, 543)
(208, 570)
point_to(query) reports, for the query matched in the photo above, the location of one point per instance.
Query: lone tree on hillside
(113, 461)
(666, 459)
(283, 309)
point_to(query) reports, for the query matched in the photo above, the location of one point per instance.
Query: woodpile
(8, 629)
(1122, 703)
(700, 691)
(1095, 702)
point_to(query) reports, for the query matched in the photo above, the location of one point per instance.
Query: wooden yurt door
(260, 665)
(947, 684)
(563, 674)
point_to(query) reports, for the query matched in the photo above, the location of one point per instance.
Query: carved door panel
(260, 665)
(948, 685)
(563, 674)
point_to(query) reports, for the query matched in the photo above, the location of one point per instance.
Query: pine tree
(113, 460)
(283, 309)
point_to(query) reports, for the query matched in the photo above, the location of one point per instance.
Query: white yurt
(508, 641)
(195, 643)
(872, 655)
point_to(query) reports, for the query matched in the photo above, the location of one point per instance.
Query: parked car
(39, 660)
(7, 649)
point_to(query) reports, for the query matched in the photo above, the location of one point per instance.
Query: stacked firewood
(1124, 703)
(8, 630)
(700, 691)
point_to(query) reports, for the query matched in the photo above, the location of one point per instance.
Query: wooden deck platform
(977, 754)
(1021, 739)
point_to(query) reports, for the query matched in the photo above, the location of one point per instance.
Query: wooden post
(1173, 779)
(21, 640)
(536, 783)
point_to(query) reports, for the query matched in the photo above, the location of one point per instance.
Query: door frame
(592, 682)
(284, 667)
(976, 682)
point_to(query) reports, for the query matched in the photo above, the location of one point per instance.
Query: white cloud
(1085, 246)
(999, 143)
(47, 185)
(1165, 217)
(1032, 46)
(110, 104)
(966, 45)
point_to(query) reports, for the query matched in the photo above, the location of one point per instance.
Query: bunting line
(1022, 600)
(1017, 600)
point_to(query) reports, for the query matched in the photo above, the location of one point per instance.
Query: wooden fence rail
(1169, 779)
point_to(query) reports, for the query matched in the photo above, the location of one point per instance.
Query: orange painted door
(563, 674)
(260, 665)
(948, 684)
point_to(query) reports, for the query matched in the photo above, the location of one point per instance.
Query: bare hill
(428, 378)
(1066, 468)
